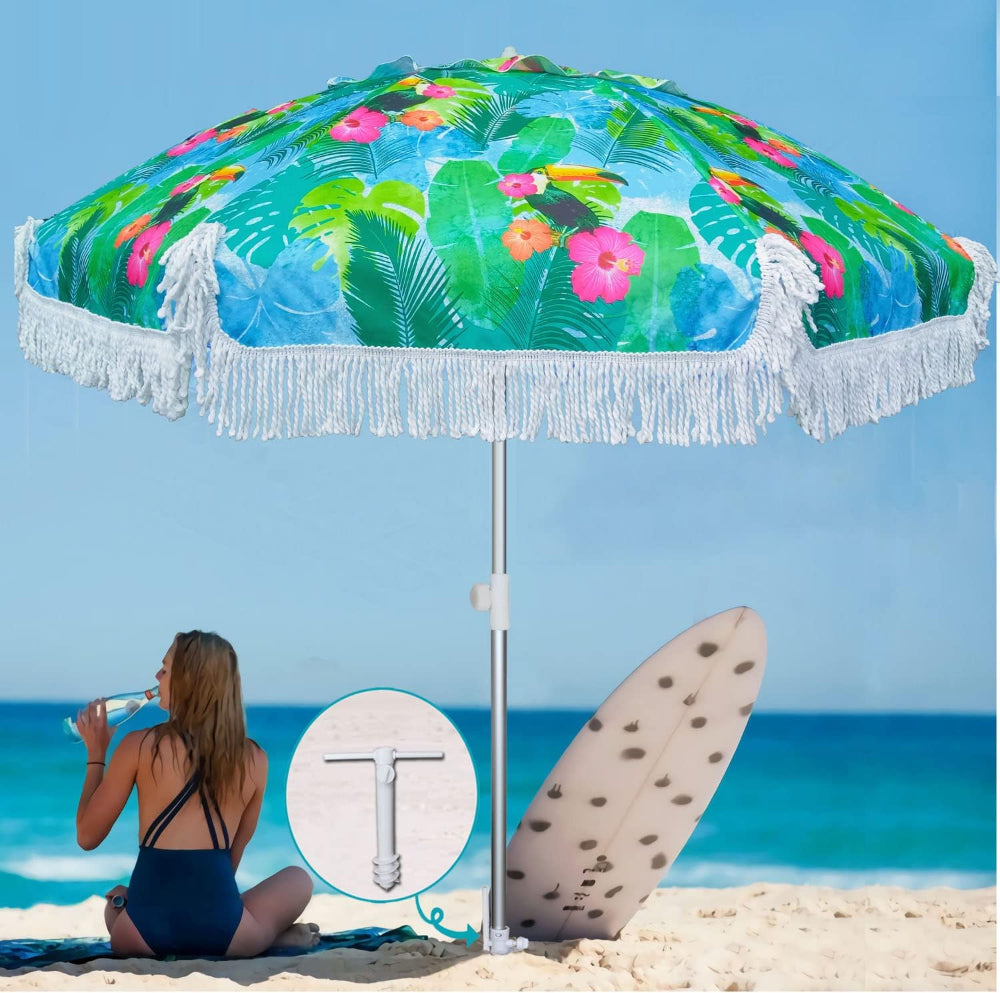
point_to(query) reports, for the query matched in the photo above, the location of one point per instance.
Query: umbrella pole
(495, 598)
(498, 702)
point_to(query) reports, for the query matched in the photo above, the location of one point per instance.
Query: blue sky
(339, 563)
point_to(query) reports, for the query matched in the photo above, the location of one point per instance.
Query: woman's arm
(105, 789)
(248, 822)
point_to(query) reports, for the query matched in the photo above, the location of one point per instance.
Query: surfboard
(618, 807)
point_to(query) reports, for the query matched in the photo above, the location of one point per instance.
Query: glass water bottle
(119, 708)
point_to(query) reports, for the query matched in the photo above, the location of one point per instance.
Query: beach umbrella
(501, 249)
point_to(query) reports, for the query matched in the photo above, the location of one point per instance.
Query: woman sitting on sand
(201, 783)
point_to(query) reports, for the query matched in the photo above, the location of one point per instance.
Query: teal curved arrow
(470, 934)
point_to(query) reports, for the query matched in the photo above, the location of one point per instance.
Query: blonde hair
(206, 711)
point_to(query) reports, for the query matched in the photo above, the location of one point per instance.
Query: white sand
(761, 937)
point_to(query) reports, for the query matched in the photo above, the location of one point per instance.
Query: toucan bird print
(560, 206)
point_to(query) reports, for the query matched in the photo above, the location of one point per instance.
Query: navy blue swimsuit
(185, 901)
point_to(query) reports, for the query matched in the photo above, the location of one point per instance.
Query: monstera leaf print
(669, 248)
(324, 212)
(467, 217)
(540, 142)
(733, 234)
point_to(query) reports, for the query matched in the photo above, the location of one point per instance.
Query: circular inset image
(381, 795)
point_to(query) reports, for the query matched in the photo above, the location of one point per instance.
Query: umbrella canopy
(517, 243)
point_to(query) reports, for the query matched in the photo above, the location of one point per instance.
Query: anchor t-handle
(387, 860)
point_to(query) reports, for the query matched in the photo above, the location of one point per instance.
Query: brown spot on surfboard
(598, 801)
(681, 799)
(595, 724)
(659, 860)
(666, 682)
(631, 728)
(699, 722)
(745, 711)
(634, 753)
(707, 648)
(539, 825)
(743, 667)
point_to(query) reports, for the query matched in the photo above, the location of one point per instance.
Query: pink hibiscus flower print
(145, 247)
(724, 189)
(436, 92)
(192, 142)
(132, 229)
(763, 148)
(361, 125)
(186, 185)
(607, 260)
(281, 107)
(831, 263)
(517, 184)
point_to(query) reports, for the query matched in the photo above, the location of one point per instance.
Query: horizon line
(293, 705)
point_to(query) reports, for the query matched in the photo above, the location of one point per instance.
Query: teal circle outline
(475, 812)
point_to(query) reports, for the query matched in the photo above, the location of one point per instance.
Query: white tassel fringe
(682, 397)
(124, 359)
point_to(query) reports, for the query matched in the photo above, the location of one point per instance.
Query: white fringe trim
(124, 359)
(856, 382)
(682, 397)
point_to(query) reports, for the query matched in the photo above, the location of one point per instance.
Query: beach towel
(39, 952)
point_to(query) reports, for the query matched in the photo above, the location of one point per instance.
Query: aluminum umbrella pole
(495, 598)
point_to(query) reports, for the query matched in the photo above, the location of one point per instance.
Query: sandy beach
(758, 937)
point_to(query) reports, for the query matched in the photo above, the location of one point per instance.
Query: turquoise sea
(840, 800)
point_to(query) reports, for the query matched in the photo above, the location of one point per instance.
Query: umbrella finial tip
(509, 52)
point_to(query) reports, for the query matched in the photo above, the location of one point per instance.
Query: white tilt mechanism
(497, 941)
(386, 861)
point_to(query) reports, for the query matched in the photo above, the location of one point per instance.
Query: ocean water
(836, 800)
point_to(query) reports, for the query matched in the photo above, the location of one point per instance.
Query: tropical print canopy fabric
(501, 205)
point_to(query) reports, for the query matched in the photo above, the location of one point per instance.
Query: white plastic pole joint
(494, 597)
(497, 940)
(387, 860)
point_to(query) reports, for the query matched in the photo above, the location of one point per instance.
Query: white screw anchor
(387, 860)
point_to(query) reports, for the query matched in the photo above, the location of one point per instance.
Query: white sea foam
(70, 868)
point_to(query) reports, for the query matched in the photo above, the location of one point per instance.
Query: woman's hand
(92, 723)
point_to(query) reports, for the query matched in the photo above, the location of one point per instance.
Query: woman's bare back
(160, 780)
